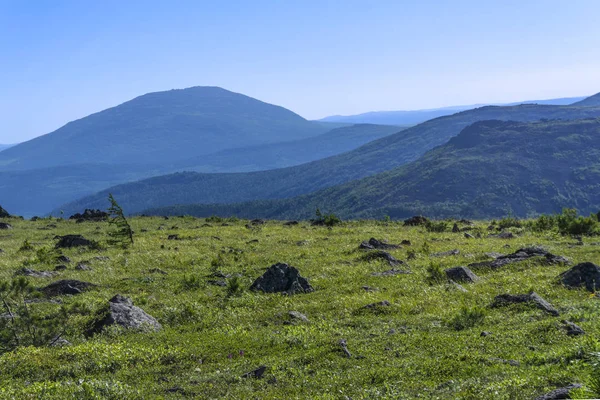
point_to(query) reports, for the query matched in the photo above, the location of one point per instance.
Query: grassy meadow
(426, 344)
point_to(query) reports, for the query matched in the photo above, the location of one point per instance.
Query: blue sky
(62, 60)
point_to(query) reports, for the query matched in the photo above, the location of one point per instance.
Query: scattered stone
(90, 215)
(252, 241)
(283, 278)
(101, 258)
(377, 244)
(302, 243)
(505, 299)
(176, 389)
(454, 252)
(290, 223)
(217, 283)
(258, 222)
(513, 363)
(35, 274)
(417, 220)
(573, 329)
(461, 274)
(391, 272)
(406, 243)
(217, 238)
(559, 394)
(157, 271)
(585, 274)
(521, 255)
(83, 267)
(485, 333)
(295, 315)
(493, 255)
(383, 303)
(4, 225)
(257, 373)
(66, 286)
(60, 267)
(68, 241)
(503, 235)
(466, 222)
(369, 288)
(122, 312)
(344, 345)
(63, 259)
(469, 236)
(455, 228)
(173, 237)
(380, 254)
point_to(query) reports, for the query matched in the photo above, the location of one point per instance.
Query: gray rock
(35, 274)
(83, 267)
(257, 373)
(558, 394)
(344, 345)
(4, 225)
(585, 274)
(457, 286)
(123, 313)
(298, 316)
(533, 297)
(521, 255)
(573, 329)
(469, 236)
(454, 252)
(503, 235)
(63, 259)
(281, 278)
(461, 274)
(68, 241)
(377, 244)
(66, 286)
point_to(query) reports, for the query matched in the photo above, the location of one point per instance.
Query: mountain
(5, 146)
(419, 116)
(38, 191)
(280, 155)
(491, 169)
(592, 101)
(374, 157)
(164, 127)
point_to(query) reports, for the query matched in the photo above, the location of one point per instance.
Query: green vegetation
(373, 158)
(123, 236)
(426, 342)
(492, 169)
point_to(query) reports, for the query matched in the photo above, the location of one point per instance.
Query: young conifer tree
(124, 234)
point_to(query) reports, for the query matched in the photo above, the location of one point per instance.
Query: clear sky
(61, 60)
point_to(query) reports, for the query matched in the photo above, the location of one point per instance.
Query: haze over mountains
(491, 169)
(418, 116)
(5, 146)
(375, 157)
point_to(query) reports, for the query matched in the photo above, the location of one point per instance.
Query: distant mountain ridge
(491, 169)
(6, 146)
(414, 117)
(163, 127)
(592, 101)
(375, 157)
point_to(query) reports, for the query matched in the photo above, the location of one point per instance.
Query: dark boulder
(533, 297)
(455, 228)
(69, 241)
(35, 274)
(66, 286)
(4, 225)
(281, 278)
(461, 274)
(522, 255)
(291, 223)
(585, 274)
(573, 329)
(377, 244)
(417, 220)
(559, 394)
(382, 255)
(4, 213)
(90, 216)
(63, 259)
(123, 313)
(257, 373)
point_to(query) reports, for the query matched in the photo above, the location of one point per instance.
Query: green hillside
(492, 169)
(162, 127)
(377, 156)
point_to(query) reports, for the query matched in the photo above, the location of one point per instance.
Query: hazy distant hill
(5, 146)
(163, 127)
(38, 191)
(592, 101)
(377, 156)
(491, 169)
(280, 155)
(418, 116)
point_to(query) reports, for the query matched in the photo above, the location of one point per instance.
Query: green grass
(427, 344)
